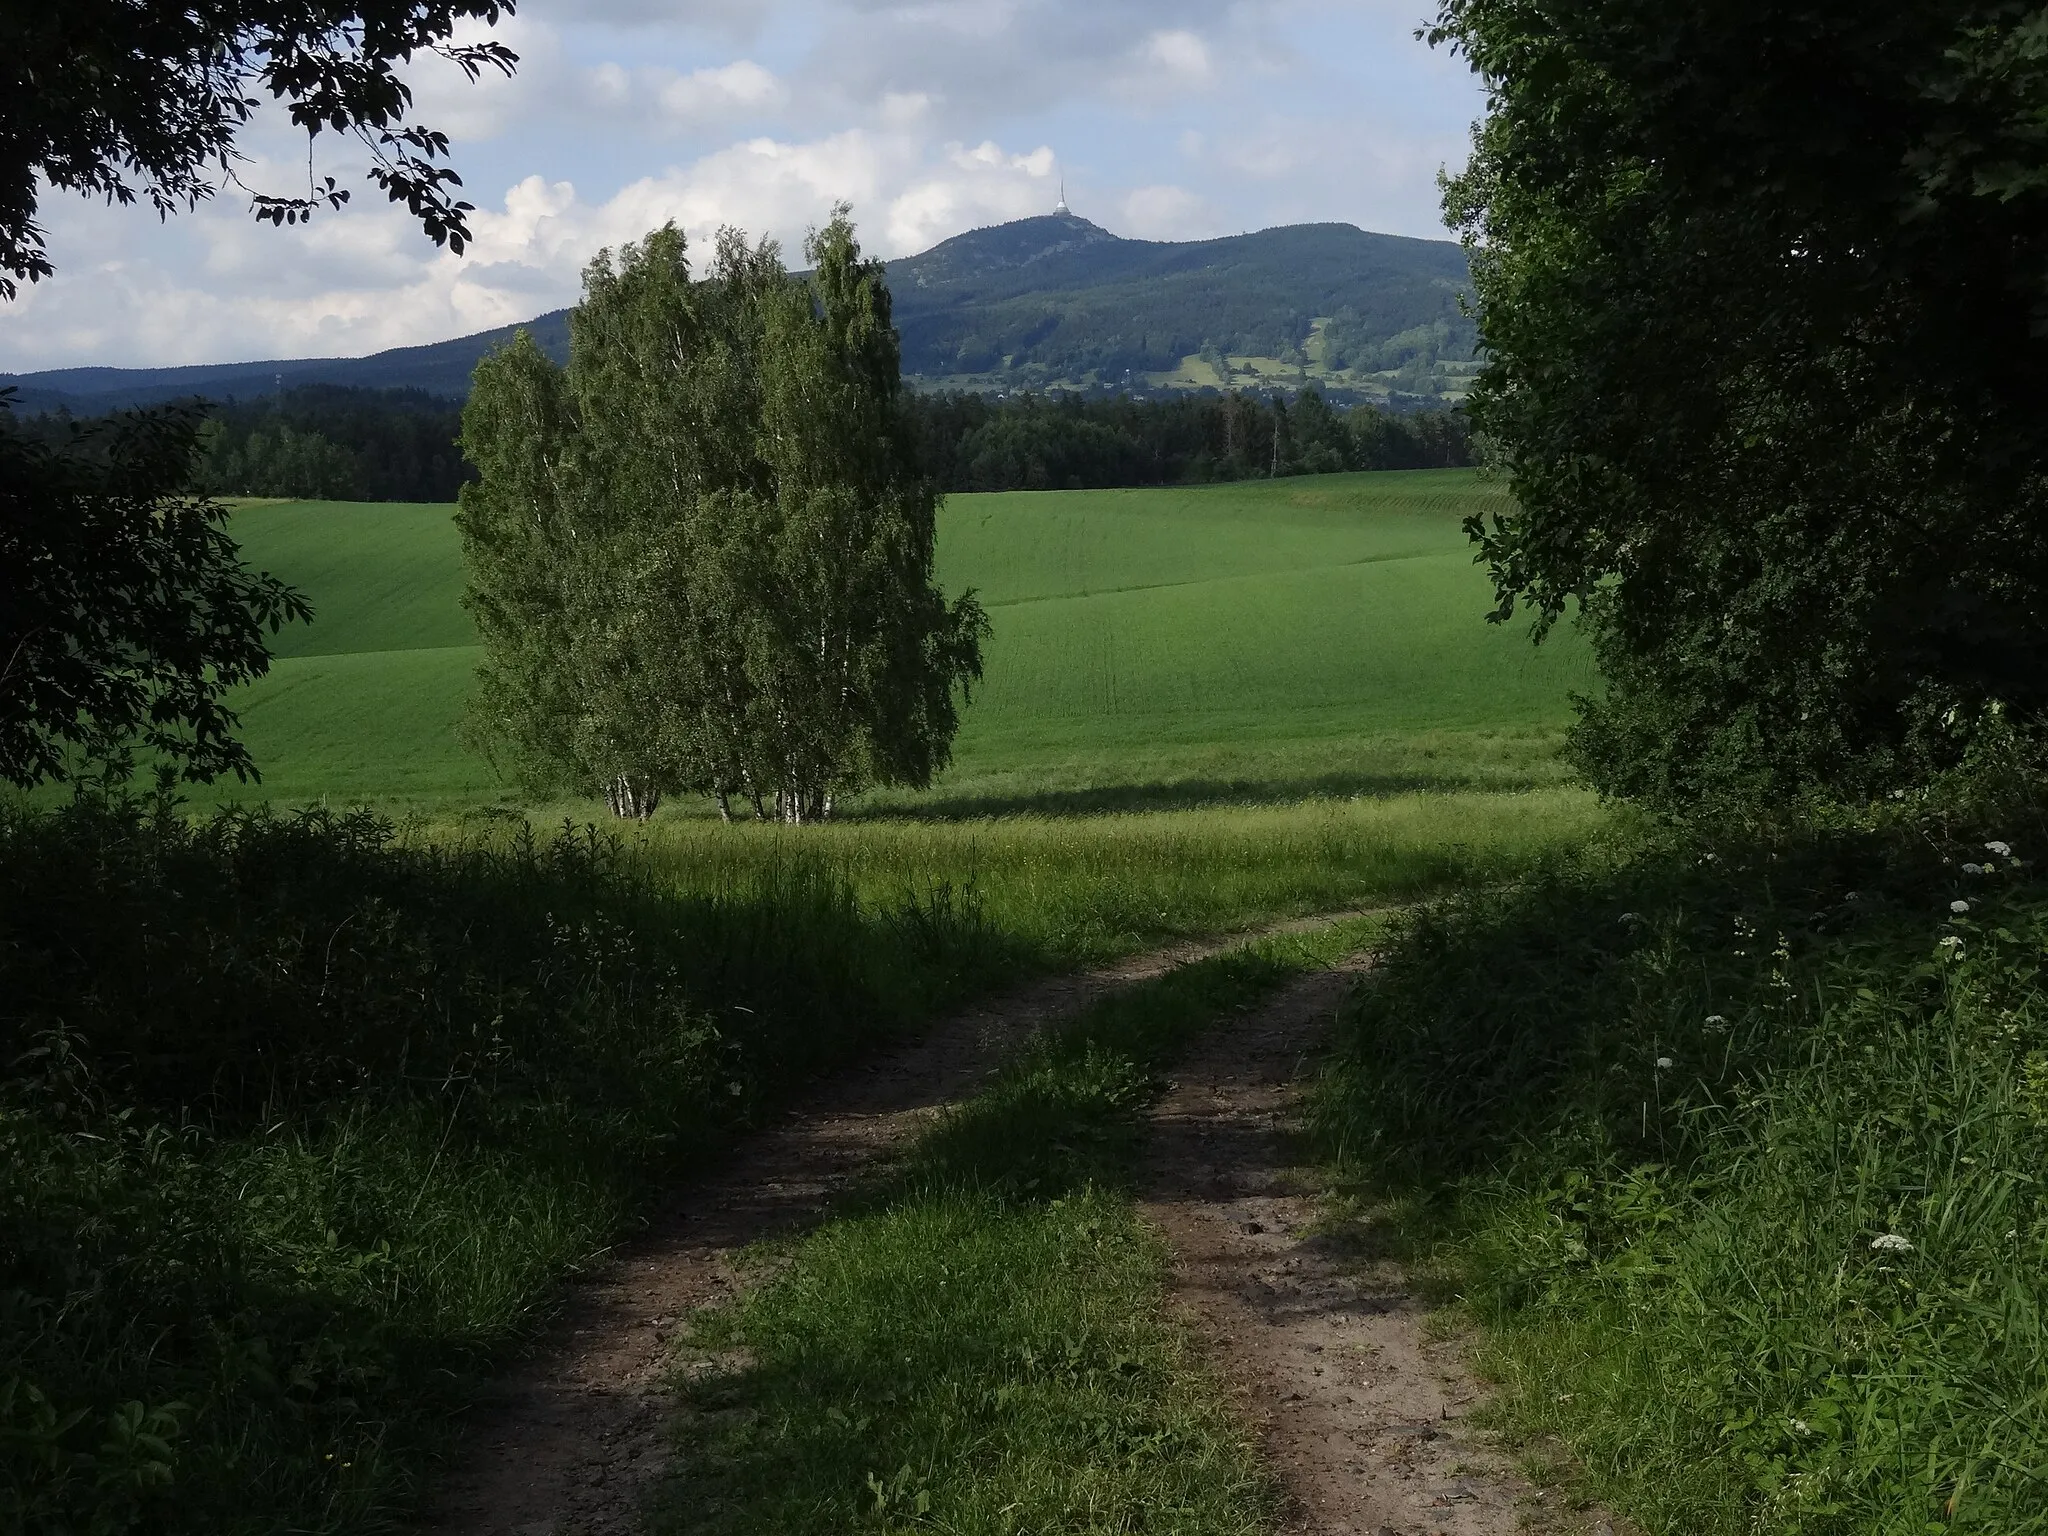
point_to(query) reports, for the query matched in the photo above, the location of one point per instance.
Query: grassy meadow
(323, 1087)
(1262, 641)
(1733, 1147)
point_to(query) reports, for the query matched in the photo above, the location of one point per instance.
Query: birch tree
(701, 556)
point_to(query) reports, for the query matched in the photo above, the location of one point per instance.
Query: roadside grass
(302, 1125)
(306, 1119)
(1079, 888)
(978, 1344)
(1735, 1151)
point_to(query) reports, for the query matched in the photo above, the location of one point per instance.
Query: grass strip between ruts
(977, 1344)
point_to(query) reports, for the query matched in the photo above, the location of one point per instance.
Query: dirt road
(567, 1443)
(1360, 1412)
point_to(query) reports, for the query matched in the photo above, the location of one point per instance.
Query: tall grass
(303, 1122)
(1084, 887)
(1739, 1151)
(305, 1118)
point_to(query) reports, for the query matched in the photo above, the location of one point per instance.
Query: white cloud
(718, 94)
(1168, 121)
(472, 111)
(1170, 213)
(366, 282)
(1178, 60)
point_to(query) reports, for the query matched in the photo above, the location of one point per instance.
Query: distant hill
(1031, 304)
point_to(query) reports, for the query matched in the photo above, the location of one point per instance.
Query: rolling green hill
(1247, 641)
(1025, 305)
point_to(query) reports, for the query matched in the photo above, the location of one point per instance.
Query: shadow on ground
(1187, 795)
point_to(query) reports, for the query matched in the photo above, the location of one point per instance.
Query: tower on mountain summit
(1061, 207)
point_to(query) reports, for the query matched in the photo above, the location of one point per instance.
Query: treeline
(1036, 443)
(330, 443)
(319, 442)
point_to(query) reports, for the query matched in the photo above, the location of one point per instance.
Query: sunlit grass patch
(1083, 887)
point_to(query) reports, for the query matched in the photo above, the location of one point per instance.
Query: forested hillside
(1028, 304)
(1060, 299)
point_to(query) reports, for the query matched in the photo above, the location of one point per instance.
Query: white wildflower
(1974, 869)
(1951, 941)
(1716, 1020)
(2003, 850)
(1959, 907)
(1891, 1242)
(1665, 1063)
(1801, 1427)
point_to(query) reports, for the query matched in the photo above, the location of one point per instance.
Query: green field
(1163, 647)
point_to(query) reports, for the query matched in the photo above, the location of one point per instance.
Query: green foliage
(113, 102)
(323, 442)
(1737, 1148)
(1765, 299)
(701, 557)
(126, 614)
(302, 1123)
(1069, 442)
(278, 460)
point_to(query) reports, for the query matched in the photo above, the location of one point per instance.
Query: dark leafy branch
(145, 103)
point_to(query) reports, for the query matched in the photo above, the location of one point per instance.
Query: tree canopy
(127, 102)
(125, 613)
(1765, 294)
(700, 557)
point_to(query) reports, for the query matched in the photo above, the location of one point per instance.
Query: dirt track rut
(1362, 1415)
(1361, 1412)
(567, 1443)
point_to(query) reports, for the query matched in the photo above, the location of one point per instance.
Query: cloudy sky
(1167, 121)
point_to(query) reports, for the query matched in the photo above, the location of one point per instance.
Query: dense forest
(324, 442)
(1067, 442)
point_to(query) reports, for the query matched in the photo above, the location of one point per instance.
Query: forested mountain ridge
(1038, 302)
(1057, 299)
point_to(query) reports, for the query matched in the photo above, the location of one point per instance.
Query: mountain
(1038, 302)
(1060, 298)
(442, 368)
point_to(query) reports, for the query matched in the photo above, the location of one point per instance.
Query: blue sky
(1166, 121)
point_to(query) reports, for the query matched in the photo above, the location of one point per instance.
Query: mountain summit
(1007, 248)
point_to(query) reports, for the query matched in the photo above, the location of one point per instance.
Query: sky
(1165, 121)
